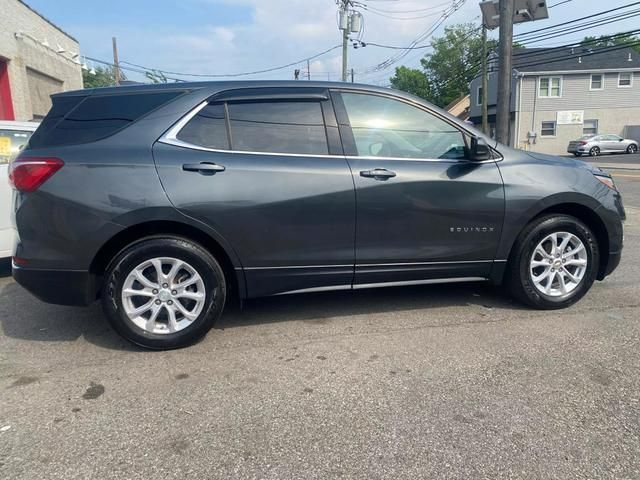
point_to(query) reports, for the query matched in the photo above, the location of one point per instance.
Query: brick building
(37, 59)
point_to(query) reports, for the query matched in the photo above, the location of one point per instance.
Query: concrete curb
(621, 166)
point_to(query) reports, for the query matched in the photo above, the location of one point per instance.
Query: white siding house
(559, 95)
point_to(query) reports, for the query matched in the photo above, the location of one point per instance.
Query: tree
(156, 76)
(454, 62)
(413, 81)
(103, 77)
(608, 41)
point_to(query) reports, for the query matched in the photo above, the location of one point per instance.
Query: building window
(550, 87)
(597, 81)
(590, 127)
(548, 129)
(625, 80)
(479, 96)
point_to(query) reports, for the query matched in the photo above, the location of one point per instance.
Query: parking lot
(425, 382)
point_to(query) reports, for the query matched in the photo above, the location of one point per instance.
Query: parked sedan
(13, 136)
(595, 145)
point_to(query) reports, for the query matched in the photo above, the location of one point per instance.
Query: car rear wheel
(633, 148)
(595, 151)
(577, 154)
(164, 292)
(554, 262)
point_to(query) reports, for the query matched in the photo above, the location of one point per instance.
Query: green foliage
(413, 81)
(454, 62)
(104, 77)
(448, 70)
(607, 41)
(156, 76)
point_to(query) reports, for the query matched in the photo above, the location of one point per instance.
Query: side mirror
(479, 150)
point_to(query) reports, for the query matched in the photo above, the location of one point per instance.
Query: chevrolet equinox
(163, 200)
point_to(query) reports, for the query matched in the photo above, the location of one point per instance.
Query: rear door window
(295, 127)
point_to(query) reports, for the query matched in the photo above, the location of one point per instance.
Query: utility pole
(345, 41)
(352, 74)
(308, 70)
(344, 27)
(485, 82)
(116, 64)
(505, 51)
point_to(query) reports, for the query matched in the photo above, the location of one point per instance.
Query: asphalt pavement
(425, 382)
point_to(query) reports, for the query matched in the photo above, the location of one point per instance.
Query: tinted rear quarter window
(94, 117)
(207, 128)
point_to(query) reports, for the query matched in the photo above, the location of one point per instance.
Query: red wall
(6, 106)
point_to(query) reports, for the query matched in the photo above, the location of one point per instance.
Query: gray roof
(576, 58)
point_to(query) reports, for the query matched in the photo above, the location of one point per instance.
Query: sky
(218, 37)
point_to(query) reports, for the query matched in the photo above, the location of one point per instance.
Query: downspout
(535, 103)
(518, 110)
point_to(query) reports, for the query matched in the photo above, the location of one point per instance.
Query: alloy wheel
(558, 264)
(163, 295)
(594, 152)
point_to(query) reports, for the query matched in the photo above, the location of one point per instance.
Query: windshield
(11, 141)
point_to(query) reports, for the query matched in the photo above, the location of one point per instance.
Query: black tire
(594, 152)
(164, 246)
(578, 154)
(633, 148)
(517, 277)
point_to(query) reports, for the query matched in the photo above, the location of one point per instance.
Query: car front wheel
(633, 148)
(164, 292)
(554, 262)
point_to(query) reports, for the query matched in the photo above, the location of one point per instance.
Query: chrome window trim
(171, 138)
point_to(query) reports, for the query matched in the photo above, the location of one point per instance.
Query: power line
(577, 19)
(553, 34)
(455, 5)
(433, 7)
(240, 74)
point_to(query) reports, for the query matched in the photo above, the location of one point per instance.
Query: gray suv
(165, 201)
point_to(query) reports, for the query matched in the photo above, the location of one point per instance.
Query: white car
(13, 136)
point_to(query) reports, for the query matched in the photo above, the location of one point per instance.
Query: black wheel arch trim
(569, 203)
(149, 221)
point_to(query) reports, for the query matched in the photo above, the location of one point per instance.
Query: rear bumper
(61, 287)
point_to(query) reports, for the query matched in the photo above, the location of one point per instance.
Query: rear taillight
(583, 143)
(27, 174)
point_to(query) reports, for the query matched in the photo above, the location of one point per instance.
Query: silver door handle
(378, 174)
(205, 168)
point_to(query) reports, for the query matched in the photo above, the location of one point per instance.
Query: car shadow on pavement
(319, 306)
(24, 317)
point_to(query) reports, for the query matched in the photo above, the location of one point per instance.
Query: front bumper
(60, 287)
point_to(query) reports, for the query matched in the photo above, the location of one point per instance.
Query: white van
(13, 136)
